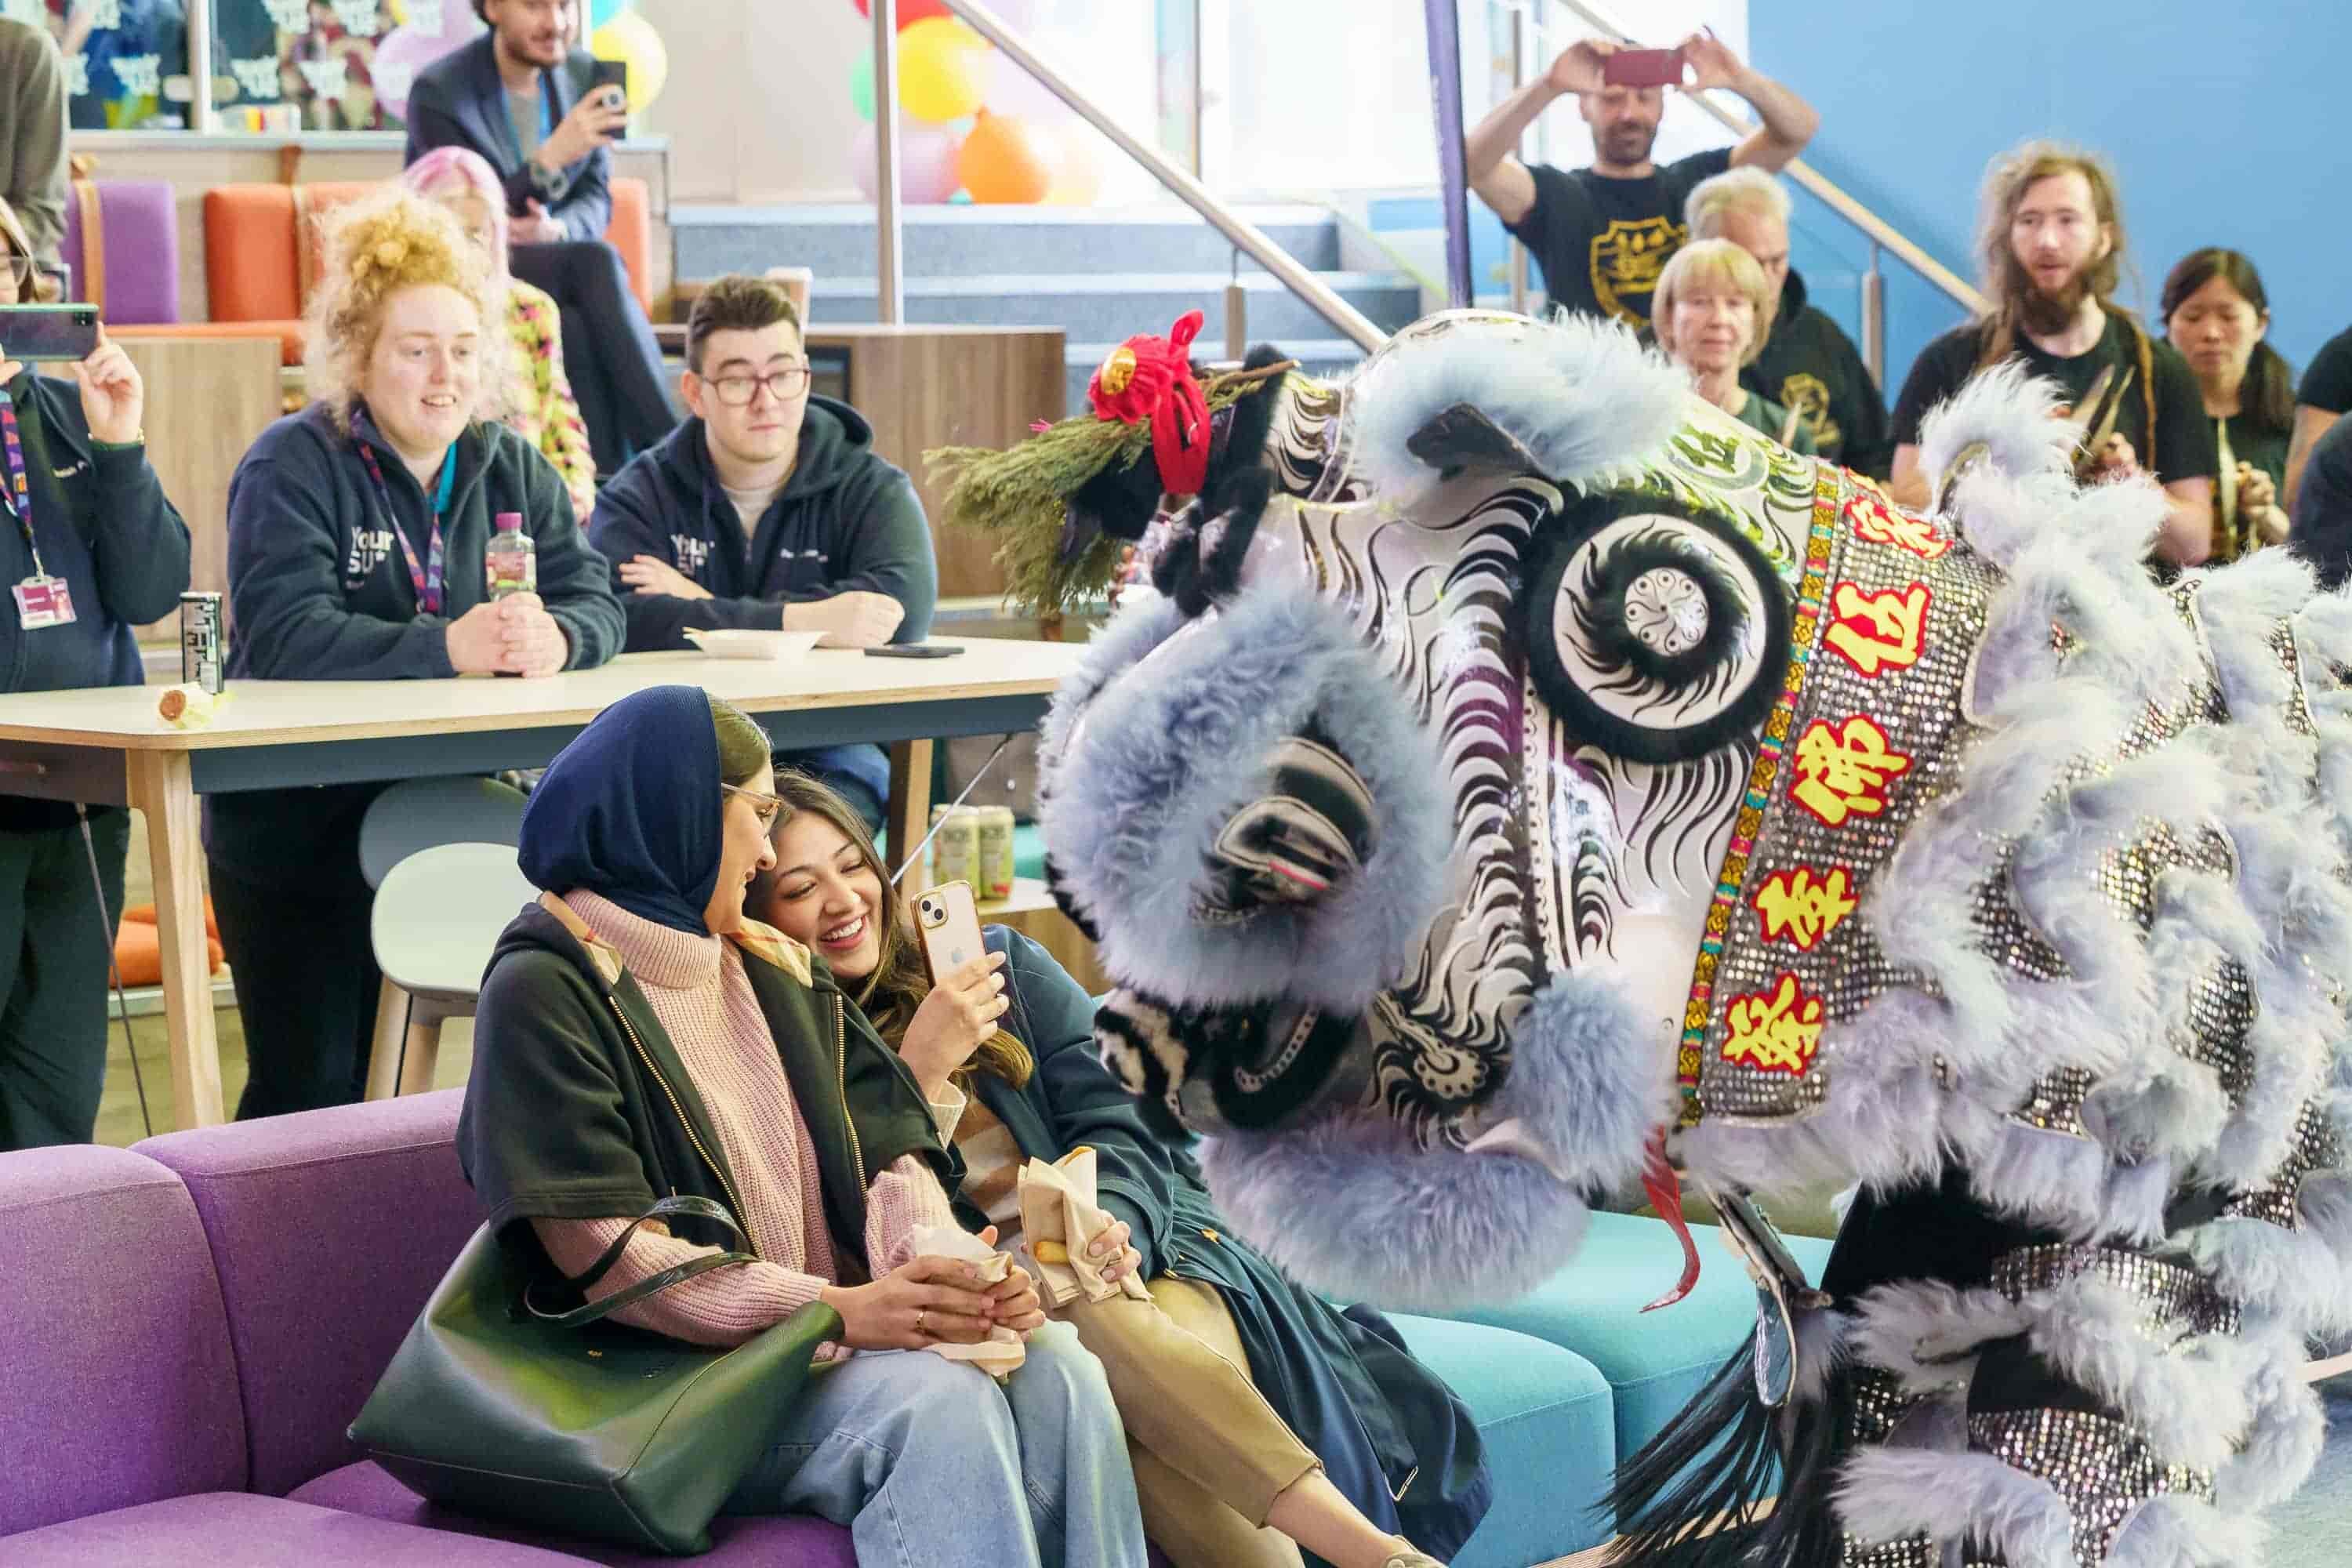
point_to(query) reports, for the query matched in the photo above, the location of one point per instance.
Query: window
(327, 65)
(126, 60)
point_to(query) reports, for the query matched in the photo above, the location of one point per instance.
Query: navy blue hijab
(631, 810)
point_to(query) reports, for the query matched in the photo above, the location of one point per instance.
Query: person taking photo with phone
(520, 97)
(1261, 1419)
(1602, 234)
(91, 549)
(358, 535)
(769, 509)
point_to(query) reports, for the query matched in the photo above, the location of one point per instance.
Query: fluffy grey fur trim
(2178, 1532)
(1442, 1228)
(1133, 631)
(2288, 1429)
(2065, 1182)
(2297, 1282)
(1824, 1348)
(1421, 1230)
(1580, 394)
(2009, 409)
(1889, 1494)
(1926, 1333)
(1170, 750)
(2191, 1400)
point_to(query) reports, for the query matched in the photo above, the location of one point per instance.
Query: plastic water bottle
(512, 559)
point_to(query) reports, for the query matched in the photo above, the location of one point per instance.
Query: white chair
(438, 916)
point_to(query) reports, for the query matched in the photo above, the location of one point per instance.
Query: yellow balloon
(941, 70)
(630, 38)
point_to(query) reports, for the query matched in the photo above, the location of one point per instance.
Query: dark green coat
(572, 1113)
(1391, 1435)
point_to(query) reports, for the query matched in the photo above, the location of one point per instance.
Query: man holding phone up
(1602, 235)
(769, 509)
(520, 97)
(90, 548)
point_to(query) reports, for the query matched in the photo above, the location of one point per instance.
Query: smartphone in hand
(611, 74)
(946, 921)
(1643, 68)
(58, 334)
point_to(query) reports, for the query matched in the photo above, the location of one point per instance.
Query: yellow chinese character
(1778, 1032)
(1880, 523)
(1844, 770)
(1878, 631)
(1792, 904)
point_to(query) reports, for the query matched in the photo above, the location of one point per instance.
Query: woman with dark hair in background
(2216, 313)
(1260, 1419)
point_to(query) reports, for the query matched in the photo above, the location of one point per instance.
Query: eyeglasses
(765, 806)
(737, 391)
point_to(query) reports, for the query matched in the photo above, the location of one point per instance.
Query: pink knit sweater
(698, 991)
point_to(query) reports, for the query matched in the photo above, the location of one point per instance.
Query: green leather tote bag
(566, 1423)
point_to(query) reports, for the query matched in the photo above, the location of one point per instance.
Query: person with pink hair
(538, 400)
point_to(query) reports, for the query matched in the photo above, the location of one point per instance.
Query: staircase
(1099, 274)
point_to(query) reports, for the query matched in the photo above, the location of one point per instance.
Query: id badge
(43, 601)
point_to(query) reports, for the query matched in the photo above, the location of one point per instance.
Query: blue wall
(2226, 123)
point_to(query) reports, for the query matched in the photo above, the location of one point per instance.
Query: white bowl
(779, 646)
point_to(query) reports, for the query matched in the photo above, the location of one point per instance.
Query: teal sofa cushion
(1654, 1361)
(1545, 1415)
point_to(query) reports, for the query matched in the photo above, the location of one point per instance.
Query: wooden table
(108, 746)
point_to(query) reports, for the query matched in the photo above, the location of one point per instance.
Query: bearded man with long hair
(2050, 244)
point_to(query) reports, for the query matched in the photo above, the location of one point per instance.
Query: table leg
(161, 788)
(906, 814)
(392, 1008)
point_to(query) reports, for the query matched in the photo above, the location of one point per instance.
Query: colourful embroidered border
(1812, 589)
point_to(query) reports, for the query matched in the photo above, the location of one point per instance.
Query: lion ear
(1461, 438)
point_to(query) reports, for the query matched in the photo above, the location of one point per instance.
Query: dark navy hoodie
(846, 521)
(319, 590)
(105, 526)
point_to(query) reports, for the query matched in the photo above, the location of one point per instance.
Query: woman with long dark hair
(2217, 313)
(1260, 1419)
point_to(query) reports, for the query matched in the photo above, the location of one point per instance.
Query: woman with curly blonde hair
(538, 399)
(357, 533)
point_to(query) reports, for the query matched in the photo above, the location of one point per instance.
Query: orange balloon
(1006, 160)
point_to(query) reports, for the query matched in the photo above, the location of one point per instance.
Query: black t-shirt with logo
(2328, 383)
(1602, 241)
(2183, 448)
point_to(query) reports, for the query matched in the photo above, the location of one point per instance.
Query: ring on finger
(919, 1318)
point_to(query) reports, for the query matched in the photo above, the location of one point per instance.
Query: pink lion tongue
(1665, 1190)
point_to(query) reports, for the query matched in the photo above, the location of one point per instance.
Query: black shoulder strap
(697, 1208)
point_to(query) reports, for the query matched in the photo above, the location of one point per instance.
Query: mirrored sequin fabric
(2104, 1469)
(2176, 1299)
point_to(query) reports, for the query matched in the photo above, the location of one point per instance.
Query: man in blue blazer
(520, 96)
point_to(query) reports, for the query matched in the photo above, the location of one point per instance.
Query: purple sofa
(190, 1325)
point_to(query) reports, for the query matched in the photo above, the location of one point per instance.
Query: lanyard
(425, 577)
(18, 493)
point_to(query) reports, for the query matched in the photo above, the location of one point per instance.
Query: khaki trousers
(1209, 1454)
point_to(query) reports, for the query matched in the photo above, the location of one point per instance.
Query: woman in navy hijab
(638, 1037)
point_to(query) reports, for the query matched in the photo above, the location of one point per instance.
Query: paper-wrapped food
(187, 706)
(1059, 1216)
(1001, 1354)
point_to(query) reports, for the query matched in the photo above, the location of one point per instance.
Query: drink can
(995, 852)
(955, 848)
(203, 642)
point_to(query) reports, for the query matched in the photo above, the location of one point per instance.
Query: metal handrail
(1246, 236)
(1879, 230)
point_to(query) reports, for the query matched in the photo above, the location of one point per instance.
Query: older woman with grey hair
(1807, 363)
(1709, 315)
(358, 537)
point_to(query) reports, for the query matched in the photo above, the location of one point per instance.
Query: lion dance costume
(1520, 776)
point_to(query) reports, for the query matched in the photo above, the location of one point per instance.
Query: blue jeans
(932, 1464)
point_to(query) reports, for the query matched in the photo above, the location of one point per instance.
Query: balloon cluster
(970, 123)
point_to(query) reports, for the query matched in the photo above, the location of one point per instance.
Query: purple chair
(137, 281)
(193, 1324)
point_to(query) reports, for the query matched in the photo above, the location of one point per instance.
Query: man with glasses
(768, 510)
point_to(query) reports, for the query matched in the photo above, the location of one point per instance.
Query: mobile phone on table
(914, 650)
(946, 919)
(48, 332)
(1643, 68)
(609, 73)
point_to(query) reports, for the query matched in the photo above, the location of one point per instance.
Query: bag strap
(653, 1284)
